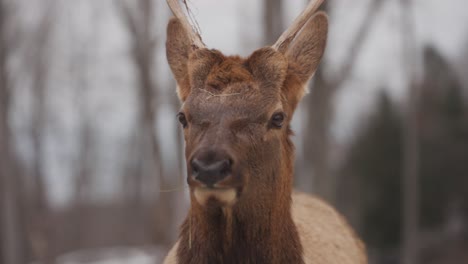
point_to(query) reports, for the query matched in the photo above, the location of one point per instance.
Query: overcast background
(76, 124)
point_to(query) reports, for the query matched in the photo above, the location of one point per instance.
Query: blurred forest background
(91, 165)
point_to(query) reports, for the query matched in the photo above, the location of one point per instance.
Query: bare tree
(38, 61)
(84, 164)
(139, 20)
(273, 20)
(79, 71)
(411, 159)
(319, 107)
(13, 243)
(82, 183)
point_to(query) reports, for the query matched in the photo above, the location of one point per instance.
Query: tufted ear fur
(304, 55)
(178, 49)
(200, 64)
(268, 67)
(189, 64)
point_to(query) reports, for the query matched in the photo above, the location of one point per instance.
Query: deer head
(236, 115)
(236, 112)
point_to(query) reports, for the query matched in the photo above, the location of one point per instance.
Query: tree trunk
(320, 112)
(411, 140)
(273, 21)
(38, 213)
(139, 22)
(12, 239)
(319, 117)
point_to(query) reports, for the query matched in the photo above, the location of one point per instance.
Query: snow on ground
(116, 255)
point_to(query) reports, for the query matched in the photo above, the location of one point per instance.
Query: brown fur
(229, 105)
(326, 236)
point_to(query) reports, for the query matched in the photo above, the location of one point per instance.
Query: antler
(285, 39)
(194, 35)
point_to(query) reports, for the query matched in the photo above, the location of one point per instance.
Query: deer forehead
(229, 70)
(211, 71)
(239, 101)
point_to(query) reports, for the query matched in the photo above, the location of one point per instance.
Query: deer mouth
(218, 196)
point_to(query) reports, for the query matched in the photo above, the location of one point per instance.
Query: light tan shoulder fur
(325, 236)
(171, 257)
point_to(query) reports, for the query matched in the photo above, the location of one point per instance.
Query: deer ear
(269, 67)
(304, 55)
(200, 64)
(178, 49)
(189, 64)
(306, 50)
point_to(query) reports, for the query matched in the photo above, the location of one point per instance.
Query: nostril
(225, 167)
(195, 166)
(209, 170)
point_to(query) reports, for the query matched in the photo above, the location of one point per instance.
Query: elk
(236, 115)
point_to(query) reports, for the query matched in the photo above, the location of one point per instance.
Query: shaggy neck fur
(257, 229)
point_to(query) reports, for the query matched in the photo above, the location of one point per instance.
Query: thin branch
(128, 17)
(411, 140)
(357, 43)
(288, 35)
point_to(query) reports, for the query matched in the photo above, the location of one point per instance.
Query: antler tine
(285, 39)
(176, 9)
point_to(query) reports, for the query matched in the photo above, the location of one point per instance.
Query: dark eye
(182, 119)
(277, 120)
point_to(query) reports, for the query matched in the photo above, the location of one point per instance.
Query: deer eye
(277, 120)
(182, 119)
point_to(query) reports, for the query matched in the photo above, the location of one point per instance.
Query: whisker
(180, 188)
(218, 95)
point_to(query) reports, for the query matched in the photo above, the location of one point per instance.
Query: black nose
(209, 170)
